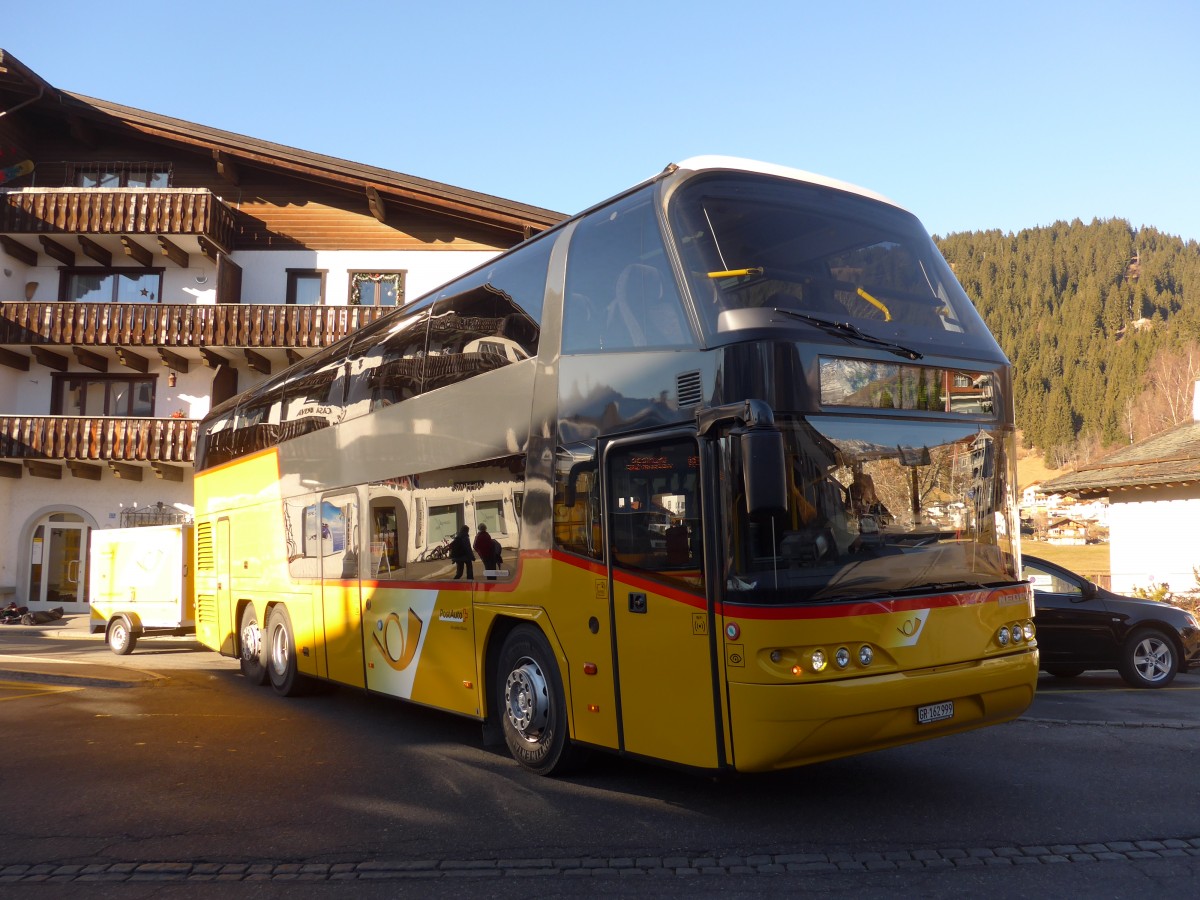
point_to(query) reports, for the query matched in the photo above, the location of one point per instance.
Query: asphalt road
(151, 774)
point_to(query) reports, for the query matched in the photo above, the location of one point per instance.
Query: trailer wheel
(120, 638)
(250, 643)
(286, 679)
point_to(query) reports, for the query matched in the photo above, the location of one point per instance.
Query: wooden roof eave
(411, 195)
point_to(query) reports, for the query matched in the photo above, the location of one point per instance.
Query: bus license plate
(935, 712)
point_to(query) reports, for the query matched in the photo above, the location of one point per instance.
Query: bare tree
(1167, 399)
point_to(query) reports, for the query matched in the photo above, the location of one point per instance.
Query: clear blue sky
(973, 115)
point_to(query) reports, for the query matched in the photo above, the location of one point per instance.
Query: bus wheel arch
(250, 648)
(528, 700)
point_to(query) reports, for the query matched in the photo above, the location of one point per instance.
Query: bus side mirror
(764, 471)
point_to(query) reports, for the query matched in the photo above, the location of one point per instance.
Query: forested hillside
(1101, 322)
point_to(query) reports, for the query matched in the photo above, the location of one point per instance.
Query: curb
(65, 672)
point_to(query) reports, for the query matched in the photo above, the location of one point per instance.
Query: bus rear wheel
(281, 655)
(250, 653)
(531, 703)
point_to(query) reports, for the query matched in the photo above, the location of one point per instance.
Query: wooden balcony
(84, 443)
(192, 212)
(245, 325)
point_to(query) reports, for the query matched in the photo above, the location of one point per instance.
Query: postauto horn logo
(398, 644)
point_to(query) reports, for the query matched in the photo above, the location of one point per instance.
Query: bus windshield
(877, 508)
(754, 242)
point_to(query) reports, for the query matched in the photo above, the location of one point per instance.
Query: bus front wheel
(531, 703)
(281, 654)
(250, 653)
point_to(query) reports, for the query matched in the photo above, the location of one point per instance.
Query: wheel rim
(250, 641)
(119, 636)
(527, 700)
(1152, 658)
(279, 650)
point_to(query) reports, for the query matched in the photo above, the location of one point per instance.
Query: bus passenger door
(662, 624)
(340, 624)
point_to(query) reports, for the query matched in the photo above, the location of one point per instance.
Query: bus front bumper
(782, 726)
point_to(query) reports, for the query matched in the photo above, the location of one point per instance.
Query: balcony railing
(178, 211)
(279, 326)
(97, 438)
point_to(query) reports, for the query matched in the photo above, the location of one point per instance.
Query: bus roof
(698, 163)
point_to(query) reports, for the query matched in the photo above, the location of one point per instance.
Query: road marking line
(25, 686)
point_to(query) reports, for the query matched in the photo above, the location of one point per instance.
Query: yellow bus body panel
(420, 645)
(563, 600)
(668, 707)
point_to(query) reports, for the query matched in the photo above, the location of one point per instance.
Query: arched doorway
(58, 547)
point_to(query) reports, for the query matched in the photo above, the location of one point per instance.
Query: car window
(1045, 580)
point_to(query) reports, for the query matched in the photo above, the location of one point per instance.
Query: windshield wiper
(850, 332)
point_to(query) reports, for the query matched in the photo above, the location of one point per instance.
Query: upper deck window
(621, 292)
(752, 241)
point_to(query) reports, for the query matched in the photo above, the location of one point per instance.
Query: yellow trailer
(141, 584)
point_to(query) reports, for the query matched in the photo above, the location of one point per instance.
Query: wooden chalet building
(150, 268)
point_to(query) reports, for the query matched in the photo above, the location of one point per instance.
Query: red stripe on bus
(818, 610)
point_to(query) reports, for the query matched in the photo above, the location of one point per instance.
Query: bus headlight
(1002, 636)
(1028, 629)
(865, 655)
(842, 657)
(818, 660)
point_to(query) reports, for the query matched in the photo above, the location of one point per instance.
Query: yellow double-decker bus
(733, 456)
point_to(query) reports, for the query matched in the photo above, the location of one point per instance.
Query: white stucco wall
(264, 272)
(22, 501)
(1153, 538)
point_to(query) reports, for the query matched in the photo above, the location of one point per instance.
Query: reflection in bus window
(654, 510)
(475, 332)
(386, 369)
(414, 517)
(876, 507)
(577, 501)
(322, 538)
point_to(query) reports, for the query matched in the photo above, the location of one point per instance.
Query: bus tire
(280, 652)
(120, 637)
(531, 703)
(250, 647)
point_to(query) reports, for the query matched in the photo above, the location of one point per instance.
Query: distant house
(1154, 512)
(1031, 496)
(1066, 531)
